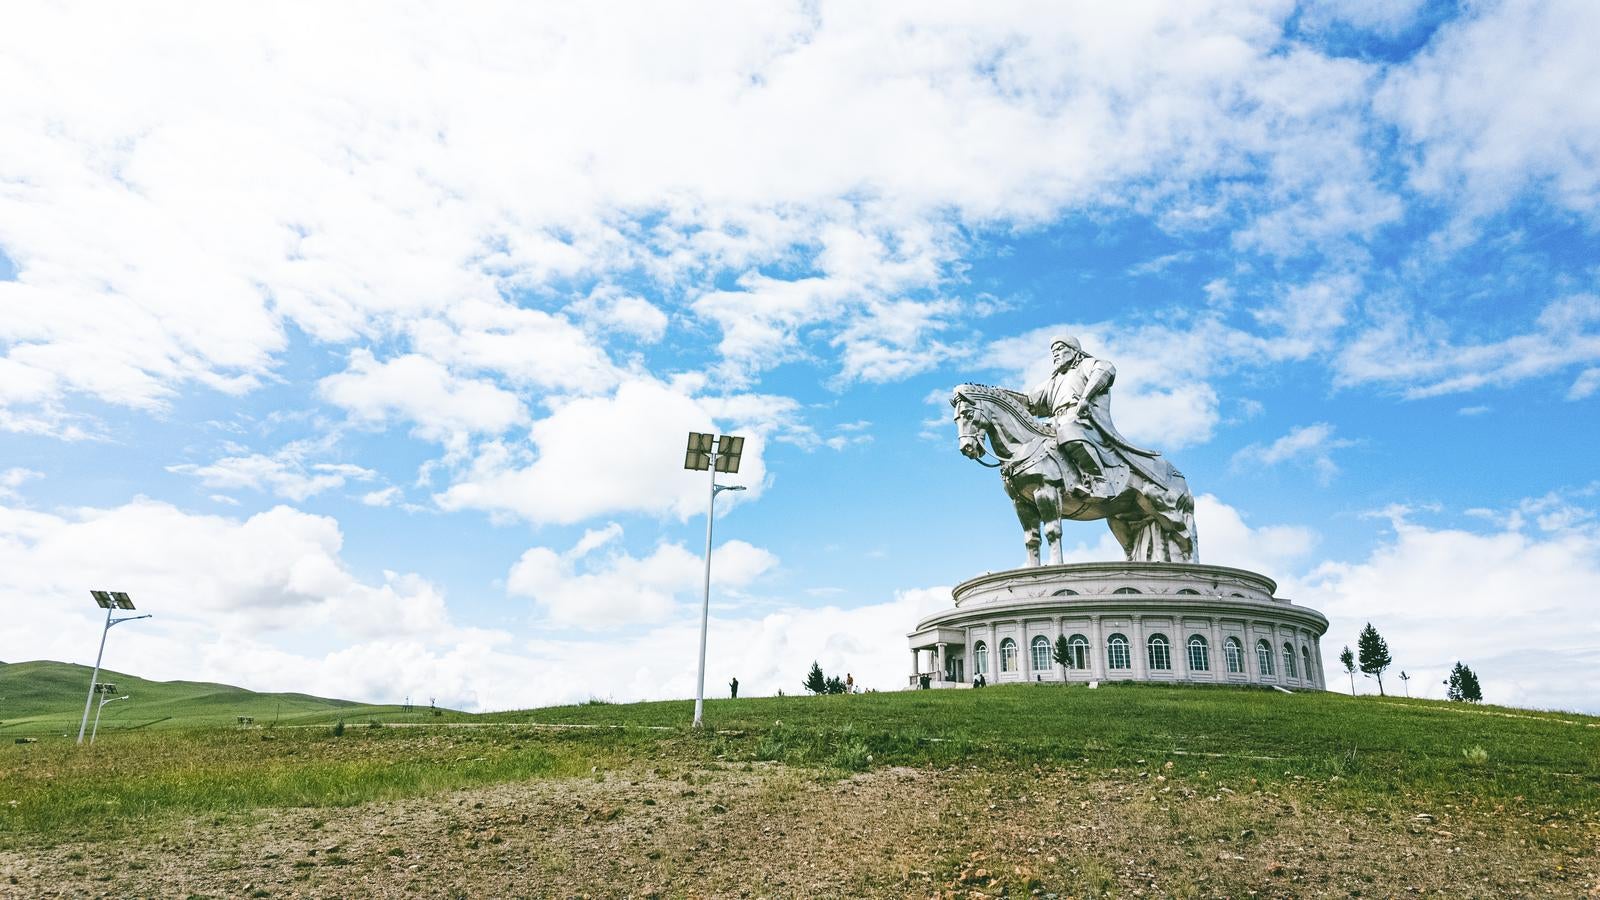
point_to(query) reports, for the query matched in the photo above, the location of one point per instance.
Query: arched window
(1288, 661)
(1234, 651)
(1264, 658)
(1117, 653)
(1305, 656)
(980, 658)
(1199, 654)
(1237, 594)
(1040, 648)
(1189, 591)
(1126, 590)
(1008, 655)
(1078, 651)
(1064, 592)
(1158, 652)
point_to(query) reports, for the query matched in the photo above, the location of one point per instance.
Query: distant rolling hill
(45, 697)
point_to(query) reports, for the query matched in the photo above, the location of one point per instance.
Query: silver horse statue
(1146, 502)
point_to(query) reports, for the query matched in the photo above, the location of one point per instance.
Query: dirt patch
(774, 831)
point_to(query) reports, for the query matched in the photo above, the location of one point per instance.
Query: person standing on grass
(849, 683)
(733, 687)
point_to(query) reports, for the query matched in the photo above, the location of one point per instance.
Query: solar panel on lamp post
(110, 601)
(720, 454)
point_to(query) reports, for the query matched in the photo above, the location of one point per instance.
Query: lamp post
(109, 601)
(721, 454)
(103, 689)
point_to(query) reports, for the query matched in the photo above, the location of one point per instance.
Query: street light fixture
(110, 601)
(108, 689)
(721, 454)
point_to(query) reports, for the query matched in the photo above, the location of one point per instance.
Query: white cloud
(1493, 106)
(609, 309)
(1512, 602)
(1584, 387)
(1419, 357)
(417, 389)
(276, 572)
(1308, 445)
(187, 197)
(13, 478)
(388, 496)
(286, 473)
(600, 455)
(621, 590)
(527, 346)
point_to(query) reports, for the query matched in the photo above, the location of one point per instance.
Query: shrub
(852, 755)
(338, 728)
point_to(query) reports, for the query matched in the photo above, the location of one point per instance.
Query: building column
(941, 661)
(914, 670)
(1180, 649)
(1254, 655)
(1097, 650)
(994, 655)
(1140, 670)
(1219, 656)
(1316, 657)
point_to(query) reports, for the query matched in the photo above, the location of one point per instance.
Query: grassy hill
(1165, 790)
(46, 698)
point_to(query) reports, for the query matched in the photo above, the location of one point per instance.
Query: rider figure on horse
(1076, 400)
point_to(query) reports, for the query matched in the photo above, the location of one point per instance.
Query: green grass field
(177, 751)
(1524, 786)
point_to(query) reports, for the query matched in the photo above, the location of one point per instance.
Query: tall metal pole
(95, 677)
(705, 601)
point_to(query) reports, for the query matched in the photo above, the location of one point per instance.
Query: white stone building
(1174, 622)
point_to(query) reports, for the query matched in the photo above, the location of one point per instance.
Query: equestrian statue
(1060, 457)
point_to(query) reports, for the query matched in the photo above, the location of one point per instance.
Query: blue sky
(366, 364)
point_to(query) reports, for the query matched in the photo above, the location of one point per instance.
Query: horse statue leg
(1028, 515)
(1123, 531)
(1048, 501)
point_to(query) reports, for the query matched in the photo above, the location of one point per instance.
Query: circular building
(1138, 621)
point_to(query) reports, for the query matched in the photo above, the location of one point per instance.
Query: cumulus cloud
(572, 590)
(181, 216)
(233, 600)
(419, 390)
(600, 455)
(277, 571)
(1510, 599)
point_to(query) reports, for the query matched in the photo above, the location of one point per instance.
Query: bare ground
(773, 831)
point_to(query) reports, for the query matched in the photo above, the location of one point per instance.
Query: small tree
(834, 685)
(1348, 659)
(1471, 691)
(1374, 654)
(1062, 653)
(1463, 685)
(814, 682)
(1405, 681)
